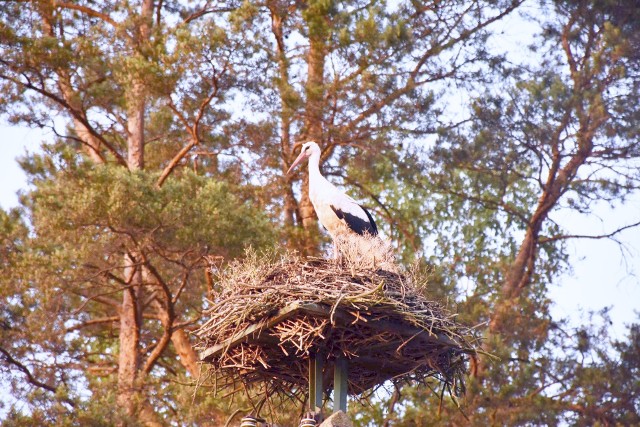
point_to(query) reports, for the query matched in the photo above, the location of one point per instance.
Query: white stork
(337, 212)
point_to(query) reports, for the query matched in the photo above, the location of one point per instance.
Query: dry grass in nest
(270, 313)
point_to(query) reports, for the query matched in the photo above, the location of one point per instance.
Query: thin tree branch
(86, 10)
(30, 378)
(586, 236)
(167, 320)
(174, 162)
(205, 11)
(74, 113)
(98, 321)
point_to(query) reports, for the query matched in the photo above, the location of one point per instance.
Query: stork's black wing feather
(373, 228)
(357, 224)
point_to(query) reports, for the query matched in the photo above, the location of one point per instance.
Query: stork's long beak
(297, 161)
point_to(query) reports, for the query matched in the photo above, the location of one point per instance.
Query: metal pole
(316, 365)
(340, 385)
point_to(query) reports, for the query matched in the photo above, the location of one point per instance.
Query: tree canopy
(175, 123)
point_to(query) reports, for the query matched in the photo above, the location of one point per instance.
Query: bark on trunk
(135, 127)
(188, 357)
(148, 416)
(315, 91)
(180, 341)
(291, 213)
(521, 269)
(315, 85)
(91, 144)
(307, 212)
(136, 98)
(591, 114)
(129, 362)
(559, 179)
(287, 95)
(129, 352)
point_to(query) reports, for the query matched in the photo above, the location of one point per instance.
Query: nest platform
(270, 317)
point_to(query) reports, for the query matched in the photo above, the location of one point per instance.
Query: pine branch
(6, 356)
(587, 236)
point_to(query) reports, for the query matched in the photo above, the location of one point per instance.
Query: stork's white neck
(314, 165)
(317, 183)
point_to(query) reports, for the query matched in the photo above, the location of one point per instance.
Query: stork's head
(308, 149)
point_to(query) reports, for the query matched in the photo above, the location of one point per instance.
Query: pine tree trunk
(135, 127)
(559, 178)
(180, 340)
(129, 356)
(91, 143)
(129, 362)
(278, 17)
(314, 90)
(188, 357)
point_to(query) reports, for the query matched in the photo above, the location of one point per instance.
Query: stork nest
(271, 313)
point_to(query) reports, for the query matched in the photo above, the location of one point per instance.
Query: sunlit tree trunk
(128, 356)
(188, 357)
(136, 98)
(278, 18)
(135, 127)
(316, 19)
(131, 310)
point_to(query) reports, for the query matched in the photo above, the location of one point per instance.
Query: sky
(14, 141)
(605, 274)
